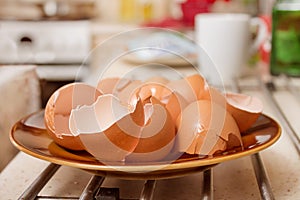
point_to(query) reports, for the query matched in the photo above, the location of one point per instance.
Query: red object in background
(265, 48)
(192, 7)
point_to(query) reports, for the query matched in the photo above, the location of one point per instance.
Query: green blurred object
(285, 54)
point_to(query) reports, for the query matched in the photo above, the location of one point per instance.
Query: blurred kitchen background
(45, 44)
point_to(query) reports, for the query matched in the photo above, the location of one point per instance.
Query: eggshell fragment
(191, 88)
(183, 88)
(156, 87)
(198, 84)
(108, 129)
(150, 89)
(175, 105)
(245, 109)
(157, 136)
(206, 128)
(58, 109)
(214, 95)
(172, 101)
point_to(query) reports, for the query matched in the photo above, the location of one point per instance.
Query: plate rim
(144, 168)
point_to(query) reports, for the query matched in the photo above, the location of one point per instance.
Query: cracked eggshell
(172, 101)
(198, 84)
(108, 129)
(58, 109)
(150, 89)
(128, 94)
(157, 136)
(191, 88)
(182, 87)
(176, 94)
(124, 89)
(245, 109)
(206, 128)
(155, 87)
(214, 95)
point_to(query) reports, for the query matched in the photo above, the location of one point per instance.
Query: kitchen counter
(231, 180)
(21, 82)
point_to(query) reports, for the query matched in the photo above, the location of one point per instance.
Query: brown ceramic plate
(29, 135)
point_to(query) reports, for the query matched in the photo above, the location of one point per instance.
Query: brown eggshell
(108, 129)
(58, 109)
(157, 137)
(192, 87)
(150, 89)
(198, 84)
(182, 87)
(205, 128)
(175, 105)
(214, 95)
(172, 101)
(129, 93)
(245, 109)
(155, 87)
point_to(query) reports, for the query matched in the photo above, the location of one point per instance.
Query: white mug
(225, 44)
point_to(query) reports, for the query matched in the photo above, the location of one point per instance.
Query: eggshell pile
(142, 121)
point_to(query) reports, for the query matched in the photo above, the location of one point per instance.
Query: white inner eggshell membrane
(245, 109)
(99, 116)
(244, 102)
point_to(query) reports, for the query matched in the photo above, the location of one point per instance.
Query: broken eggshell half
(205, 128)
(58, 110)
(244, 108)
(108, 129)
(158, 135)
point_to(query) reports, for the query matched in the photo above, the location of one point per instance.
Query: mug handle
(261, 34)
